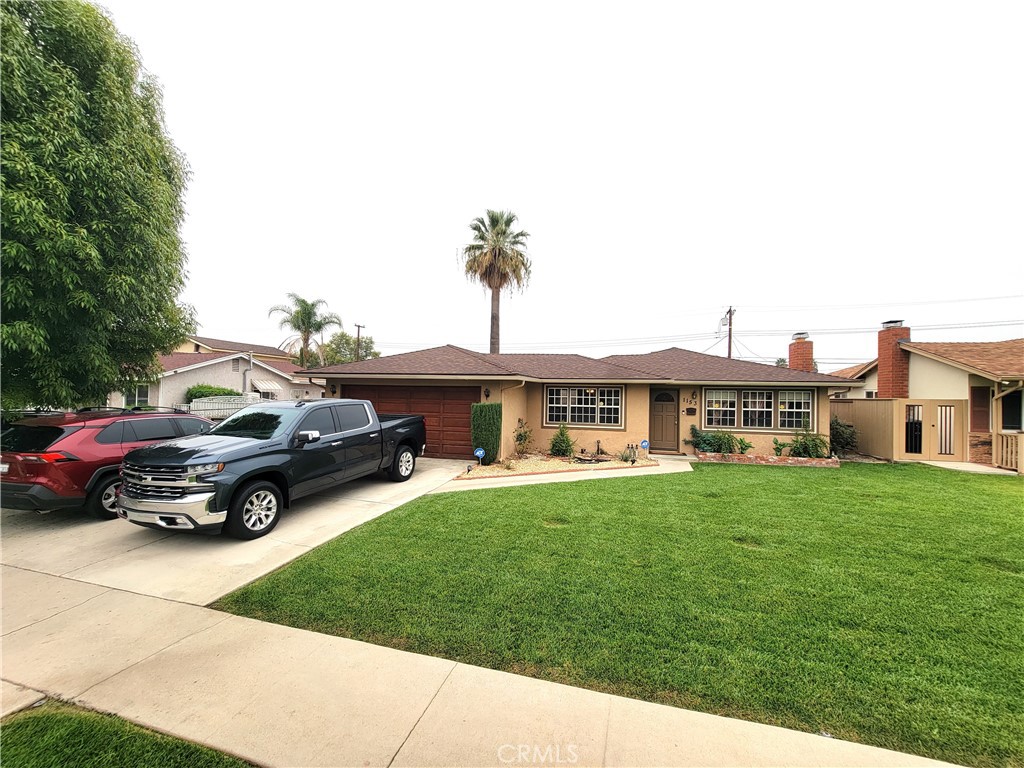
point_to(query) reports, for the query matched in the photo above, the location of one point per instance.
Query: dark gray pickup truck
(240, 475)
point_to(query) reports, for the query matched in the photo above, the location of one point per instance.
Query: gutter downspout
(246, 376)
(503, 390)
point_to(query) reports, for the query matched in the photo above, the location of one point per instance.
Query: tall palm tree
(497, 260)
(306, 321)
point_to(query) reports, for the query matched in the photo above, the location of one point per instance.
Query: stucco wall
(930, 379)
(860, 393)
(636, 419)
(514, 407)
(220, 374)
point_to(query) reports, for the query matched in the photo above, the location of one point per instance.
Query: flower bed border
(781, 461)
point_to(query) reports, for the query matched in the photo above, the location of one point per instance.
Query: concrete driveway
(196, 568)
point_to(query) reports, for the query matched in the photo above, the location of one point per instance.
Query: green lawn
(881, 603)
(57, 734)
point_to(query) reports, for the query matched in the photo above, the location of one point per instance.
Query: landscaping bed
(782, 461)
(538, 464)
(879, 603)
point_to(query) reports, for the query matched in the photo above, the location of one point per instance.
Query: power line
(653, 340)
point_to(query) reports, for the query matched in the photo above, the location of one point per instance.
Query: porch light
(334, 389)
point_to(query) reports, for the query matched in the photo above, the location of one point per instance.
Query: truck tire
(404, 464)
(102, 500)
(254, 510)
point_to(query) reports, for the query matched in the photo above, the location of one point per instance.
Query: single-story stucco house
(271, 379)
(619, 400)
(940, 401)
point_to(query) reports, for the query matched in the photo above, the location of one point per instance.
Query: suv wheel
(102, 501)
(254, 511)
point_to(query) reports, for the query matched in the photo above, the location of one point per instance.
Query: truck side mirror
(308, 436)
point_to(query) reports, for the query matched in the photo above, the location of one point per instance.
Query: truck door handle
(337, 443)
(374, 434)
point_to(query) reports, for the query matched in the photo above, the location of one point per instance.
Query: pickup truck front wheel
(403, 465)
(254, 511)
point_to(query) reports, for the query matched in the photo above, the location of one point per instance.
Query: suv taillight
(47, 458)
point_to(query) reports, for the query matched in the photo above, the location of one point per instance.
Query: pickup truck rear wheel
(254, 511)
(403, 465)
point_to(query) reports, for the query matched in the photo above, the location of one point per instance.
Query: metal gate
(913, 438)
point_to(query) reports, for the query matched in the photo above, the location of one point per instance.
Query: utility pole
(358, 329)
(728, 316)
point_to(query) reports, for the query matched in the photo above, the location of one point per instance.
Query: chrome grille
(154, 492)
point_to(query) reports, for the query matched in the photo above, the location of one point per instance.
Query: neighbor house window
(584, 406)
(138, 397)
(795, 409)
(720, 408)
(757, 408)
(871, 394)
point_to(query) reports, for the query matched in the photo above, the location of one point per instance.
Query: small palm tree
(305, 319)
(497, 260)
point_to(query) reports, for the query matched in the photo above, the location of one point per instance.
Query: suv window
(321, 420)
(190, 426)
(111, 434)
(351, 416)
(22, 437)
(149, 429)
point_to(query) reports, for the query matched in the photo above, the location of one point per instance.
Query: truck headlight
(205, 469)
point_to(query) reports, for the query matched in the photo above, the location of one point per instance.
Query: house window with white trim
(584, 406)
(757, 408)
(720, 407)
(139, 397)
(795, 409)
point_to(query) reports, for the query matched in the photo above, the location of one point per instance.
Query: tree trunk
(495, 321)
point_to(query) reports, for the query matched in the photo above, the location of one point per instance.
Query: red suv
(51, 462)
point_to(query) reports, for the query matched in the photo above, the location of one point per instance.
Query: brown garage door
(444, 409)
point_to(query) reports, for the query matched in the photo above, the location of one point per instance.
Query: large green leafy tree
(341, 348)
(91, 189)
(306, 321)
(497, 260)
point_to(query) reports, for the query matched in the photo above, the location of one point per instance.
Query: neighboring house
(942, 401)
(618, 400)
(272, 379)
(204, 344)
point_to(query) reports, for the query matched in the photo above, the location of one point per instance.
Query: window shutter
(980, 403)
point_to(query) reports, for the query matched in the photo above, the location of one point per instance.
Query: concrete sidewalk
(280, 696)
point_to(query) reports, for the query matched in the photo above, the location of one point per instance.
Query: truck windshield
(256, 422)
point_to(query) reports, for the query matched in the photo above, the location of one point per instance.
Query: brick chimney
(801, 353)
(893, 362)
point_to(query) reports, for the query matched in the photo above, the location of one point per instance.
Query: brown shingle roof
(998, 359)
(238, 346)
(670, 364)
(683, 365)
(854, 371)
(283, 365)
(177, 360)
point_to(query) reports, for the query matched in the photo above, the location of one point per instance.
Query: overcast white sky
(819, 166)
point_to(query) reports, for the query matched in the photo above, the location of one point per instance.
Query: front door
(664, 420)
